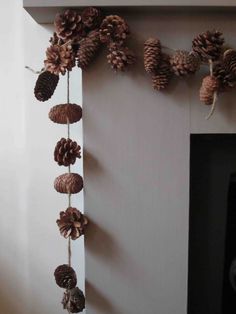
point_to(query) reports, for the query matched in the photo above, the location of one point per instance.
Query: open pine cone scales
(66, 152)
(229, 61)
(120, 57)
(73, 301)
(65, 113)
(152, 55)
(113, 29)
(91, 17)
(45, 85)
(184, 63)
(161, 79)
(65, 277)
(226, 79)
(210, 85)
(68, 183)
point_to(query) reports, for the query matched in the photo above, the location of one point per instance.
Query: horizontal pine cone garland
(73, 300)
(113, 29)
(69, 183)
(65, 113)
(65, 277)
(120, 57)
(152, 55)
(45, 85)
(72, 223)
(66, 152)
(184, 63)
(210, 85)
(161, 79)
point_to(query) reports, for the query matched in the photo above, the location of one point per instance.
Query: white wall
(31, 246)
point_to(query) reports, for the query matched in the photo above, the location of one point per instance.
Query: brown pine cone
(55, 40)
(66, 152)
(45, 85)
(73, 301)
(184, 63)
(113, 29)
(72, 223)
(208, 45)
(226, 79)
(152, 55)
(68, 183)
(69, 25)
(59, 59)
(65, 113)
(91, 17)
(210, 85)
(120, 57)
(88, 49)
(161, 79)
(65, 277)
(229, 61)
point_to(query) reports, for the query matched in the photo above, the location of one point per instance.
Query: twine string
(213, 105)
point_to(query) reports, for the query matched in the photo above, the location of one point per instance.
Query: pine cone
(68, 183)
(210, 85)
(45, 85)
(208, 45)
(73, 301)
(161, 79)
(66, 152)
(65, 113)
(113, 29)
(229, 61)
(152, 55)
(120, 57)
(91, 17)
(88, 49)
(69, 25)
(184, 63)
(60, 59)
(55, 40)
(65, 277)
(226, 79)
(72, 223)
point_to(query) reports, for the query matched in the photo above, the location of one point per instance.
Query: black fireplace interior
(212, 223)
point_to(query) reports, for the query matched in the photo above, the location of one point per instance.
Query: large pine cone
(60, 59)
(72, 223)
(45, 85)
(120, 57)
(113, 29)
(65, 113)
(210, 85)
(229, 61)
(226, 79)
(184, 63)
(161, 79)
(152, 55)
(65, 277)
(73, 301)
(88, 49)
(68, 183)
(69, 25)
(91, 17)
(66, 152)
(208, 45)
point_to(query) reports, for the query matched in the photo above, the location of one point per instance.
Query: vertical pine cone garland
(91, 18)
(184, 63)
(113, 29)
(45, 85)
(208, 45)
(65, 113)
(161, 79)
(120, 57)
(65, 277)
(229, 61)
(152, 55)
(66, 152)
(210, 85)
(73, 301)
(68, 183)
(72, 223)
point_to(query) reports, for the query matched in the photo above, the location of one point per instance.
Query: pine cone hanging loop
(65, 277)
(66, 152)
(152, 55)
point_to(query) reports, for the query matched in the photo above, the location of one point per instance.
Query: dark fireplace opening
(212, 224)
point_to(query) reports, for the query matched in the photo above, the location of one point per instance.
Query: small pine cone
(72, 223)
(152, 55)
(91, 17)
(161, 79)
(120, 57)
(113, 29)
(45, 85)
(69, 25)
(60, 59)
(210, 85)
(66, 152)
(65, 113)
(226, 79)
(65, 277)
(229, 61)
(88, 49)
(68, 183)
(184, 63)
(208, 45)
(73, 300)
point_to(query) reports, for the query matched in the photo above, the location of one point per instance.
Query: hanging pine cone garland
(45, 85)
(72, 223)
(229, 61)
(227, 80)
(113, 29)
(120, 57)
(66, 152)
(210, 85)
(65, 277)
(208, 45)
(161, 79)
(68, 183)
(91, 18)
(184, 63)
(73, 301)
(65, 113)
(152, 55)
